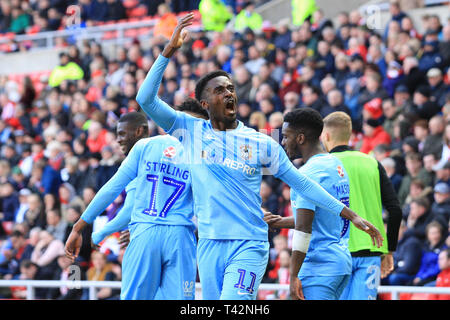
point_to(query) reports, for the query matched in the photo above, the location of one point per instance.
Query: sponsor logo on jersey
(170, 152)
(340, 171)
(246, 152)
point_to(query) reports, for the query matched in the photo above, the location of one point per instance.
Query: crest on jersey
(246, 152)
(340, 171)
(170, 152)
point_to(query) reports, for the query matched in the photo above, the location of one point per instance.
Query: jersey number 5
(179, 187)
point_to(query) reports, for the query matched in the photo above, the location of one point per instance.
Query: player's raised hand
(178, 35)
(370, 229)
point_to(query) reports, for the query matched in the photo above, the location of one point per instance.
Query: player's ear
(205, 104)
(300, 138)
(140, 131)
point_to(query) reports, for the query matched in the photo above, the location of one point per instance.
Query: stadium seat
(131, 33)
(108, 35)
(137, 12)
(128, 4)
(144, 31)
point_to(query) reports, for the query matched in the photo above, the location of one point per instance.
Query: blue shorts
(159, 263)
(231, 269)
(365, 279)
(324, 287)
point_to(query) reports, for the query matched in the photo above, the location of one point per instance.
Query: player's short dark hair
(193, 106)
(203, 82)
(307, 120)
(137, 119)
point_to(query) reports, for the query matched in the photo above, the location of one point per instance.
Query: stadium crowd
(58, 145)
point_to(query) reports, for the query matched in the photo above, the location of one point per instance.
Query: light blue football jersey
(162, 180)
(328, 252)
(227, 168)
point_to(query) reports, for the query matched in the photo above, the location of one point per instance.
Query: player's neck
(223, 125)
(335, 144)
(311, 150)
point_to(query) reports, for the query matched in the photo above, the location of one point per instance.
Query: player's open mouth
(230, 105)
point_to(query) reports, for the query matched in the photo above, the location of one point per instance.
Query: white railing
(30, 285)
(89, 33)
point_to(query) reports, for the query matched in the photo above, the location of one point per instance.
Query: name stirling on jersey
(166, 168)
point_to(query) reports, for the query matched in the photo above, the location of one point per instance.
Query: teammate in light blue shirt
(320, 258)
(161, 254)
(227, 161)
(127, 140)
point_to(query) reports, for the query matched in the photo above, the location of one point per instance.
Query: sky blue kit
(227, 168)
(162, 249)
(328, 263)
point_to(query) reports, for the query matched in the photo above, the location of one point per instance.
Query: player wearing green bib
(370, 191)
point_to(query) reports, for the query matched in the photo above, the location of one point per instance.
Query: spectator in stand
(390, 167)
(96, 137)
(46, 252)
(165, 25)
(415, 171)
(66, 70)
(20, 20)
(248, 18)
(438, 88)
(56, 226)
(23, 205)
(407, 258)
(374, 135)
(441, 205)
(269, 199)
(9, 202)
(101, 270)
(335, 103)
(420, 132)
(419, 217)
(433, 142)
(443, 278)
(391, 113)
(215, 15)
(435, 243)
(284, 272)
(311, 98)
(66, 271)
(116, 10)
(280, 243)
(29, 271)
(22, 250)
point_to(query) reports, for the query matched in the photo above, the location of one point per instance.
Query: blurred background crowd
(58, 141)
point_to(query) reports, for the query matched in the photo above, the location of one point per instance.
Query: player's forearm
(79, 225)
(117, 224)
(168, 51)
(160, 112)
(284, 223)
(311, 191)
(105, 196)
(297, 259)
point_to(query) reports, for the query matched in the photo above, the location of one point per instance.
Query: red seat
(137, 12)
(144, 31)
(131, 33)
(108, 35)
(130, 3)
